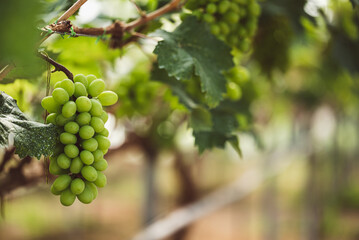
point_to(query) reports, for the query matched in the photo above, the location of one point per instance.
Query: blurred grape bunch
(234, 22)
(137, 94)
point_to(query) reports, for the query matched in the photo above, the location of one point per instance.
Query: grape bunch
(233, 21)
(76, 107)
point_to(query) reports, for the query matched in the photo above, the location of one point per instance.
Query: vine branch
(116, 29)
(58, 66)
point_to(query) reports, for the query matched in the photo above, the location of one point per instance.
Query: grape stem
(116, 29)
(58, 66)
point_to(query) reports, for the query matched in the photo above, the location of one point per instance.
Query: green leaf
(30, 138)
(208, 140)
(211, 128)
(192, 49)
(175, 85)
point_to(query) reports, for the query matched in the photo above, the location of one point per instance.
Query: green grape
(98, 155)
(107, 98)
(100, 165)
(86, 196)
(51, 118)
(223, 6)
(208, 18)
(53, 191)
(61, 120)
(50, 104)
(215, 29)
(57, 84)
(83, 104)
(69, 109)
(68, 138)
(89, 173)
(63, 161)
(83, 118)
(77, 186)
(67, 198)
(96, 108)
(97, 124)
(93, 188)
(68, 85)
(103, 142)
(101, 180)
(211, 8)
(82, 79)
(90, 78)
(96, 87)
(87, 157)
(104, 132)
(80, 90)
(76, 165)
(104, 151)
(90, 144)
(60, 95)
(233, 91)
(72, 127)
(231, 17)
(104, 116)
(224, 28)
(54, 168)
(61, 183)
(71, 150)
(86, 132)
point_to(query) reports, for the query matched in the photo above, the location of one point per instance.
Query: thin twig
(58, 66)
(6, 70)
(139, 10)
(66, 15)
(71, 10)
(149, 17)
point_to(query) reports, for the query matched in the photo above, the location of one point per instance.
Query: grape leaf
(192, 49)
(211, 128)
(30, 138)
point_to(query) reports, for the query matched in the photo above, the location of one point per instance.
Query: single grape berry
(60, 96)
(86, 132)
(62, 182)
(83, 104)
(82, 79)
(67, 198)
(96, 87)
(89, 173)
(77, 186)
(107, 98)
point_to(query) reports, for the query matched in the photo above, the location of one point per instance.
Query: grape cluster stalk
(77, 108)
